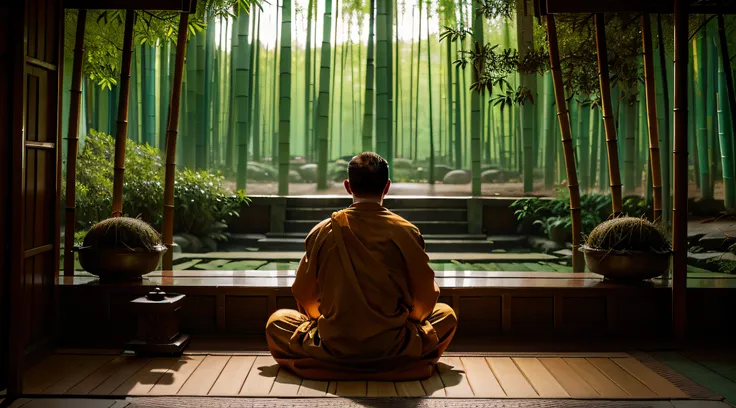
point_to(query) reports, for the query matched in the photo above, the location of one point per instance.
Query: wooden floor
(608, 376)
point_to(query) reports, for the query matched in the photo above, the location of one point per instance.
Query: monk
(366, 294)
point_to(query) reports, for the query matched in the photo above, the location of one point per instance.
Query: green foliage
(202, 205)
(103, 38)
(594, 209)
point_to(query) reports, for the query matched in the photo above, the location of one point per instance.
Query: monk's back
(364, 282)
(366, 293)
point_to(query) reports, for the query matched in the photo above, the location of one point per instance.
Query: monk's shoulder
(400, 223)
(322, 225)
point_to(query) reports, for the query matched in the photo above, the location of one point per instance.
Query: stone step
(303, 235)
(433, 245)
(395, 202)
(426, 227)
(411, 214)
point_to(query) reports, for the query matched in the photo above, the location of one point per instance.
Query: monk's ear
(346, 183)
(388, 186)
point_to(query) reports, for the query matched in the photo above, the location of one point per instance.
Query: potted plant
(627, 248)
(121, 249)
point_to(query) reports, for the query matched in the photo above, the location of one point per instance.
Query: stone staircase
(443, 222)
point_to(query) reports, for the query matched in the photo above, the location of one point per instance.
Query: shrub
(200, 199)
(594, 209)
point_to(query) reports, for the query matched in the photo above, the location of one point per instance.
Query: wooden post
(649, 80)
(171, 134)
(679, 209)
(121, 134)
(578, 264)
(75, 105)
(614, 175)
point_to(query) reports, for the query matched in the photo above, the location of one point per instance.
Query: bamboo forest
(276, 95)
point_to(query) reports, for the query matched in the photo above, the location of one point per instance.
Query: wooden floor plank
(286, 384)
(433, 386)
(352, 388)
(381, 389)
(261, 377)
(652, 380)
(312, 388)
(513, 382)
(233, 376)
(595, 378)
(97, 377)
(452, 374)
(20, 402)
(144, 379)
(77, 375)
(409, 389)
(540, 378)
(623, 379)
(69, 403)
(568, 378)
(175, 377)
(129, 367)
(481, 378)
(204, 377)
(49, 371)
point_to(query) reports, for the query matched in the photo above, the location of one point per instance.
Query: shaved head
(368, 174)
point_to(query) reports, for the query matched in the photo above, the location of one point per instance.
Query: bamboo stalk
(431, 125)
(121, 135)
(367, 139)
(666, 149)
(307, 84)
(323, 107)
(611, 141)
(415, 153)
(475, 108)
(649, 83)
(572, 177)
(242, 99)
(285, 99)
(679, 209)
(726, 61)
(701, 114)
(383, 84)
(75, 107)
(171, 134)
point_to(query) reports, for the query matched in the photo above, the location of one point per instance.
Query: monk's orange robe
(370, 302)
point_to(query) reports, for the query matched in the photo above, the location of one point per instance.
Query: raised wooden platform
(608, 376)
(542, 304)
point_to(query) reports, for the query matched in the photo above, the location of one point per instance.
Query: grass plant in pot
(627, 248)
(121, 249)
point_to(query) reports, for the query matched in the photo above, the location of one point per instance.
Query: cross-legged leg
(444, 322)
(280, 328)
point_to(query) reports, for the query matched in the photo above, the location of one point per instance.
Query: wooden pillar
(75, 104)
(608, 119)
(578, 263)
(121, 133)
(171, 134)
(649, 84)
(679, 209)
